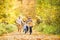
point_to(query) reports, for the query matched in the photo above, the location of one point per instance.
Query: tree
(9, 10)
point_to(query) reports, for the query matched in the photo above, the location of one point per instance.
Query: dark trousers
(26, 28)
(30, 28)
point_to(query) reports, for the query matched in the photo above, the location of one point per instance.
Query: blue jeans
(26, 29)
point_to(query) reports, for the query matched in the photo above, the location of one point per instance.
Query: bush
(40, 27)
(48, 29)
(2, 28)
(6, 28)
(11, 28)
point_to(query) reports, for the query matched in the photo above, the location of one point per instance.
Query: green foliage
(55, 2)
(48, 12)
(6, 28)
(52, 29)
(40, 27)
(48, 29)
(11, 28)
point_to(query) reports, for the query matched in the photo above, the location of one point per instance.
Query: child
(25, 27)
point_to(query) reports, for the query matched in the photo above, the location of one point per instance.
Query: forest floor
(34, 36)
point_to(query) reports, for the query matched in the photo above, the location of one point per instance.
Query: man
(19, 24)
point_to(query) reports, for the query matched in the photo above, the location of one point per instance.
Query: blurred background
(45, 14)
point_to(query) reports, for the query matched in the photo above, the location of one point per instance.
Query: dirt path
(35, 36)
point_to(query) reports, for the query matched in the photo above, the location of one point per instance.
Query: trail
(34, 36)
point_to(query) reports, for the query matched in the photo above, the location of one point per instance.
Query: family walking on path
(25, 24)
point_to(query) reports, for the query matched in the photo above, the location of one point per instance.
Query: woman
(30, 24)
